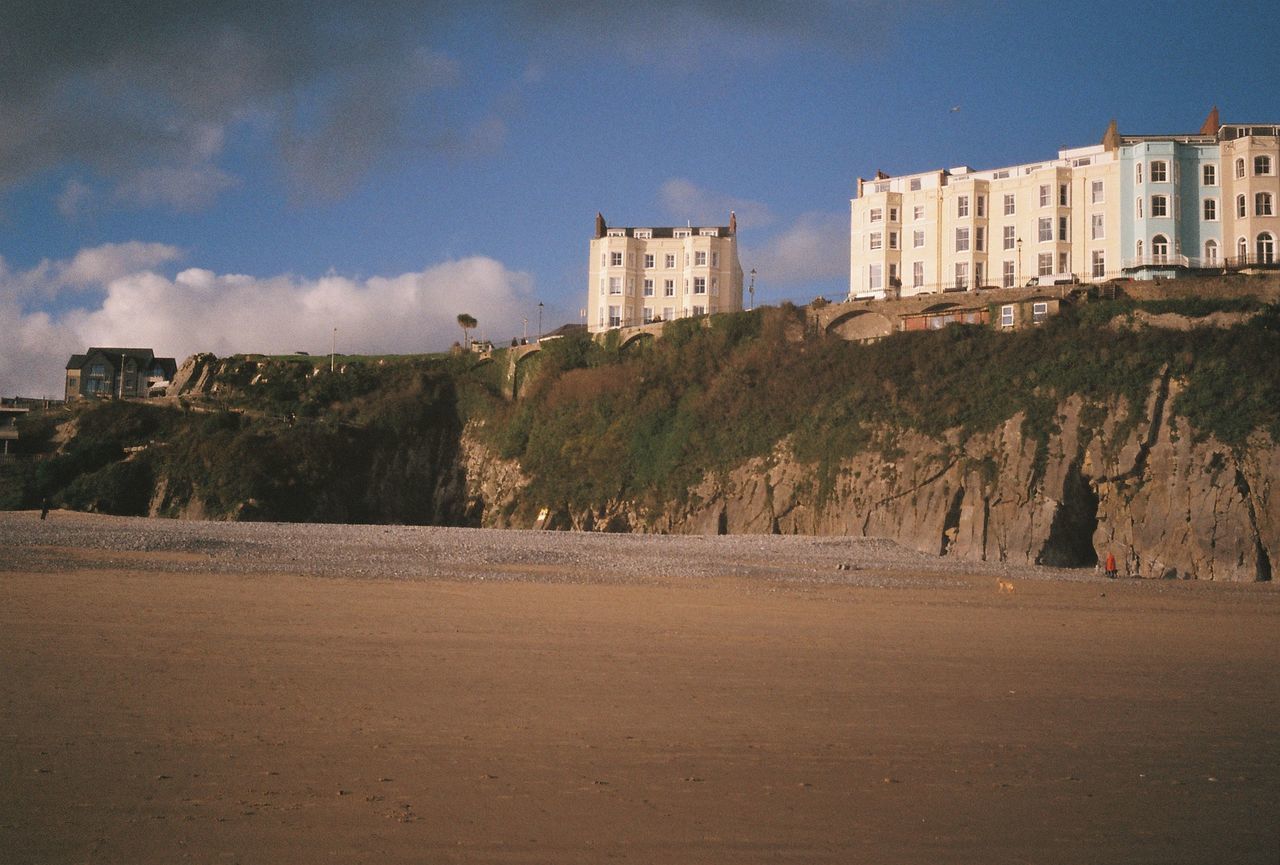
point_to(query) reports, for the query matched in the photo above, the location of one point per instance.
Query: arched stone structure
(861, 324)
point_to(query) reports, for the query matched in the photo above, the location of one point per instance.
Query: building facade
(1140, 206)
(642, 275)
(117, 373)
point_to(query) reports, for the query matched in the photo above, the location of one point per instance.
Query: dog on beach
(1004, 586)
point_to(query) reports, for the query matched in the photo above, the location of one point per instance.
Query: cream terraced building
(643, 275)
(1142, 205)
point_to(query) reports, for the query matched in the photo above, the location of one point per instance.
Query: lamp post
(751, 289)
(539, 321)
(524, 334)
(333, 348)
(1019, 279)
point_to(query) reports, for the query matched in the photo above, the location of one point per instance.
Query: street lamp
(333, 348)
(751, 289)
(1019, 279)
(539, 321)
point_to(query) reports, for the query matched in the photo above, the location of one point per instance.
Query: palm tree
(466, 322)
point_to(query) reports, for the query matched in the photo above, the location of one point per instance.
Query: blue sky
(226, 177)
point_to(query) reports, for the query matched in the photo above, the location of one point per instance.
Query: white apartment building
(643, 275)
(1139, 205)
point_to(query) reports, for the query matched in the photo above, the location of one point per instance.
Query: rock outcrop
(1142, 487)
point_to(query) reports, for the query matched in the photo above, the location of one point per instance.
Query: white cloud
(199, 310)
(815, 247)
(684, 200)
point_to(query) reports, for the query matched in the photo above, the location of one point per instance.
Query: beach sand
(188, 696)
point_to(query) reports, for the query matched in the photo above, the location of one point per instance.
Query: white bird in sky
(955, 108)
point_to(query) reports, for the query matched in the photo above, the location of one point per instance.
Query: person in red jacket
(1111, 565)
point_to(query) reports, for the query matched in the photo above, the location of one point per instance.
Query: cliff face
(1140, 487)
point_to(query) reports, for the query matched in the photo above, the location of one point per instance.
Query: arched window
(1242, 250)
(1262, 204)
(1240, 167)
(1211, 252)
(1262, 165)
(1242, 209)
(1139, 251)
(1159, 249)
(1266, 248)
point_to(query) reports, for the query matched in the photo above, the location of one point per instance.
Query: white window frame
(1159, 206)
(1097, 227)
(877, 214)
(1099, 261)
(917, 274)
(962, 240)
(875, 240)
(1010, 237)
(648, 287)
(1263, 204)
(1209, 174)
(615, 259)
(1010, 274)
(962, 275)
(1044, 229)
(700, 258)
(1097, 192)
(1044, 263)
(669, 260)
(1209, 210)
(1046, 195)
(615, 286)
(962, 206)
(917, 238)
(1159, 171)
(875, 277)
(649, 260)
(1006, 315)
(1262, 165)
(1010, 204)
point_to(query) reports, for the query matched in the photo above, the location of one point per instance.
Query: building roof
(112, 354)
(660, 232)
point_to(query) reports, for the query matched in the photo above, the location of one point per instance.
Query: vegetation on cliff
(595, 423)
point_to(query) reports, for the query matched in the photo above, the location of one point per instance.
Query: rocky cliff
(1167, 504)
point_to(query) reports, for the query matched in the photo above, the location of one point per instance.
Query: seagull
(955, 108)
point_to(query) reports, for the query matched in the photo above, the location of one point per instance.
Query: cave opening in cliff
(1070, 540)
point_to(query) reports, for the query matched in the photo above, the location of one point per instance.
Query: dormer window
(709, 232)
(617, 232)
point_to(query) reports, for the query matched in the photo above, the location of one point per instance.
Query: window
(615, 285)
(893, 214)
(668, 313)
(917, 212)
(648, 259)
(982, 206)
(700, 258)
(1211, 252)
(1099, 264)
(1062, 195)
(962, 240)
(1240, 167)
(980, 239)
(1137, 174)
(914, 184)
(1209, 175)
(1242, 249)
(648, 315)
(893, 274)
(962, 274)
(1044, 263)
(875, 277)
(615, 316)
(699, 285)
(1008, 205)
(893, 240)
(1044, 195)
(1262, 165)
(1242, 209)
(1009, 237)
(648, 288)
(876, 240)
(1008, 275)
(1160, 249)
(1039, 311)
(631, 286)
(962, 205)
(715, 286)
(1062, 262)
(1045, 226)
(699, 310)
(715, 259)
(877, 214)
(668, 289)
(1139, 204)
(1159, 171)
(670, 260)
(1096, 231)
(1159, 206)
(615, 259)
(1266, 248)
(1095, 193)
(1139, 250)
(1006, 315)
(978, 274)
(1262, 204)
(917, 239)
(917, 274)
(1062, 228)
(1210, 210)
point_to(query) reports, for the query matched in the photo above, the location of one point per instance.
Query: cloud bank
(199, 310)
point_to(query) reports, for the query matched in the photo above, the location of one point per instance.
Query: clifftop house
(1133, 205)
(640, 275)
(117, 373)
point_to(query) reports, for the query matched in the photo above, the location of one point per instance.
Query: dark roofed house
(117, 373)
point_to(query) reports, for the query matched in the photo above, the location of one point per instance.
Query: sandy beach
(211, 692)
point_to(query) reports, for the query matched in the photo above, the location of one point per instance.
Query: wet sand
(166, 705)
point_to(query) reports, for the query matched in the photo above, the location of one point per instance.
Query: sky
(198, 175)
